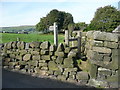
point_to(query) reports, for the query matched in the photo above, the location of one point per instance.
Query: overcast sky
(29, 12)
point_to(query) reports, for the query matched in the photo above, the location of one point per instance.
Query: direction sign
(51, 28)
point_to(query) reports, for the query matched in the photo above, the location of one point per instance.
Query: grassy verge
(7, 37)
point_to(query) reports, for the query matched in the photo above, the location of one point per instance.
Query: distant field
(7, 37)
(18, 28)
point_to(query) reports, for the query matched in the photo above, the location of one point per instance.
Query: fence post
(79, 44)
(55, 34)
(67, 37)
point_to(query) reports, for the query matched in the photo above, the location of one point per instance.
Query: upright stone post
(67, 37)
(18, 39)
(79, 44)
(55, 34)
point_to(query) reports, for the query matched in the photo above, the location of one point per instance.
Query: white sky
(29, 12)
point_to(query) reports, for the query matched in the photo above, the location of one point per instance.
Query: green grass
(7, 37)
(17, 28)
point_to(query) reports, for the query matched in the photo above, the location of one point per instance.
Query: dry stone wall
(41, 58)
(103, 53)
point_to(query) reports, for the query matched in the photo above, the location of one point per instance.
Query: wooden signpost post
(55, 29)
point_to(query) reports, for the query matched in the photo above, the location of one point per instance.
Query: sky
(29, 12)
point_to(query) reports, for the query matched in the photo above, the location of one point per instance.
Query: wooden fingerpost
(79, 44)
(67, 37)
(55, 34)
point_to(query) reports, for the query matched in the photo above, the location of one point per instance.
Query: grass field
(7, 37)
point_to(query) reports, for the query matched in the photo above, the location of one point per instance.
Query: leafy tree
(80, 26)
(105, 19)
(62, 19)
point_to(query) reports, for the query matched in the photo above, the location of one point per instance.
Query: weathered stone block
(19, 57)
(45, 45)
(102, 49)
(66, 74)
(89, 34)
(83, 82)
(27, 57)
(44, 52)
(22, 45)
(50, 72)
(13, 63)
(51, 53)
(44, 68)
(36, 69)
(35, 44)
(59, 54)
(84, 65)
(67, 49)
(99, 35)
(18, 45)
(43, 64)
(58, 72)
(97, 43)
(54, 57)
(7, 59)
(9, 52)
(111, 44)
(9, 45)
(52, 48)
(72, 76)
(43, 72)
(5, 63)
(42, 61)
(68, 62)
(14, 44)
(35, 53)
(115, 52)
(27, 67)
(93, 71)
(36, 57)
(107, 59)
(22, 52)
(104, 71)
(59, 60)
(37, 49)
(105, 36)
(109, 65)
(94, 55)
(82, 75)
(61, 77)
(52, 66)
(17, 67)
(45, 57)
(33, 63)
(71, 69)
(72, 54)
(12, 55)
(22, 63)
(98, 83)
(60, 47)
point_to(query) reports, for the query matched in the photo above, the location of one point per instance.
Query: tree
(80, 26)
(105, 19)
(61, 18)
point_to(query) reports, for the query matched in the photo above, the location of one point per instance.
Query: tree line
(105, 19)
